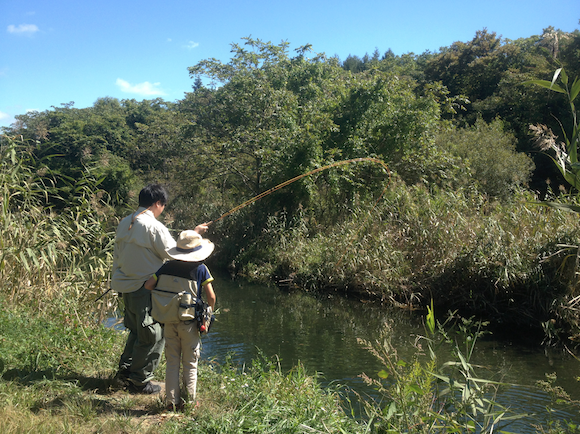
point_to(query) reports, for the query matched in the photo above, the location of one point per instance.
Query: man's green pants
(145, 342)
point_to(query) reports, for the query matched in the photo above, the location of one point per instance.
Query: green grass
(56, 378)
(262, 399)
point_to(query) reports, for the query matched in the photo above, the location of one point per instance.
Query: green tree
(469, 68)
(489, 153)
(381, 115)
(71, 141)
(490, 71)
(266, 121)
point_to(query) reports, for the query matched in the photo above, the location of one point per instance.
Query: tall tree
(264, 124)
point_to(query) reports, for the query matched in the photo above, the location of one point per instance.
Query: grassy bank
(56, 377)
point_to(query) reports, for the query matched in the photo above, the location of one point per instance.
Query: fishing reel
(204, 316)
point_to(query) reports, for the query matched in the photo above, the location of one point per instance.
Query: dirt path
(144, 411)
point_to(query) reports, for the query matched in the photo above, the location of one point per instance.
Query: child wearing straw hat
(182, 339)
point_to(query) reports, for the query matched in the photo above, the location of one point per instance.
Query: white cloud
(23, 29)
(144, 89)
(4, 116)
(191, 45)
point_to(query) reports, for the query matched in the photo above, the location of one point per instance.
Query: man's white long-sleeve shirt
(141, 245)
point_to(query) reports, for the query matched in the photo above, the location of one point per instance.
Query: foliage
(566, 152)
(425, 395)
(275, 117)
(380, 115)
(489, 72)
(265, 124)
(469, 68)
(559, 399)
(496, 169)
(262, 399)
(42, 249)
(104, 139)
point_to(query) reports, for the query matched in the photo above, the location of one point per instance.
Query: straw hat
(191, 247)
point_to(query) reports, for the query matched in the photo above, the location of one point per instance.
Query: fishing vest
(173, 299)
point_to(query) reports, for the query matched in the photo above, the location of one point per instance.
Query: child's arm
(151, 283)
(209, 295)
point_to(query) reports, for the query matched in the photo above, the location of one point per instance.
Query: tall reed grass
(426, 395)
(48, 253)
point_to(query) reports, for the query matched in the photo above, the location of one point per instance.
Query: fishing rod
(296, 178)
(320, 169)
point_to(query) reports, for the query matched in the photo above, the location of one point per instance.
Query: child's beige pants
(181, 348)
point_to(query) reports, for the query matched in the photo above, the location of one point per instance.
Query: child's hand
(151, 283)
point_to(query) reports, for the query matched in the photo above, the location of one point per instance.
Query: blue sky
(58, 51)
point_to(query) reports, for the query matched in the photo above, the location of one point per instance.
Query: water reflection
(322, 333)
(319, 333)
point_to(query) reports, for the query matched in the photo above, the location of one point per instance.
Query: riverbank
(57, 366)
(512, 264)
(57, 373)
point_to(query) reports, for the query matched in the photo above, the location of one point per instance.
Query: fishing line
(296, 178)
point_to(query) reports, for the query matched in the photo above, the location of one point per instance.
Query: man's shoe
(146, 389)
(121, 379)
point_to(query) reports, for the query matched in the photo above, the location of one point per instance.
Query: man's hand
(202, 228)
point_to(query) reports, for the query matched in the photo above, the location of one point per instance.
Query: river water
(321, 333)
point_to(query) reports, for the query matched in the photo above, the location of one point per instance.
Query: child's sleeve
(152, 281)
(203, 276)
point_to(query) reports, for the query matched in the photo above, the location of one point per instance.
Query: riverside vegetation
(457, 225)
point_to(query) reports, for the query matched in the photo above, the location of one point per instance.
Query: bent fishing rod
(296, 178)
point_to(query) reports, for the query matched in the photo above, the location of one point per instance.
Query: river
(321, 333)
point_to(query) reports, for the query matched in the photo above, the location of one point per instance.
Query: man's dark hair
(151, 194)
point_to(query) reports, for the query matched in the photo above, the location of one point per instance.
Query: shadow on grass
(105, 396)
